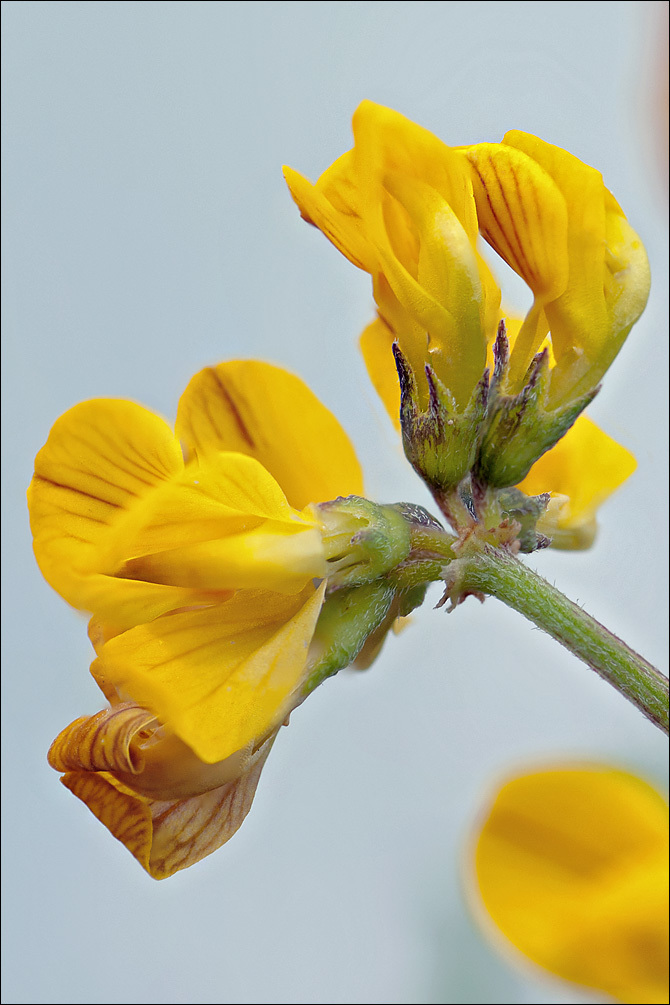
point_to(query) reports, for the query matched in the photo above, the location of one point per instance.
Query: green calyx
(353, 626)
(362, 540)
(520, 427)
(440, 442)
(471, 458)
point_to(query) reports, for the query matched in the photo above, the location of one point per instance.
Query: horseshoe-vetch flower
(410, 210)
(406, 208)
(205, 580)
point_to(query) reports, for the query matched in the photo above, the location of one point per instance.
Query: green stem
(431, 551)
(500, 574)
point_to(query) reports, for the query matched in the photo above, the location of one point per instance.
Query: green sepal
(403, 603)
(348, 618)
(362, 540)
(439, 441)
(519, 427)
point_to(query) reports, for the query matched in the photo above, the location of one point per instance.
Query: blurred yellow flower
(200, 576)
(571, 866)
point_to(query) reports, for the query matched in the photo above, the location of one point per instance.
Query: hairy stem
(499, 574)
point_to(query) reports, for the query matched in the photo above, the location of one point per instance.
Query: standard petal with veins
(550, 217)
(270, 414)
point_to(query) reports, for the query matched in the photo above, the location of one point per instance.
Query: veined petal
(523, 216)
(570, 865)
(168, 835)
(583, 469)
(376, 344)
(219, 678)
(128, 741)
(102, 457)
(608, 281)
(386, 141)
(102, 742)
(583, 190)
(271, 415)
(343, 229)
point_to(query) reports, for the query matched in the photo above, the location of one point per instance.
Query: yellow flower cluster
(409, 210)
(204, 558)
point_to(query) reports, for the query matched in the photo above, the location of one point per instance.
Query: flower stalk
(472, 567)
(497, 573)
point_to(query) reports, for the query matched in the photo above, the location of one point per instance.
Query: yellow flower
(200, 576)
(408, 209)
(125, 528)
(572, 867)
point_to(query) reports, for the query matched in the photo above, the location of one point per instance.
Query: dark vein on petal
(244, 432)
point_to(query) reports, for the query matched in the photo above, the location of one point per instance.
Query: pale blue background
(148, 233)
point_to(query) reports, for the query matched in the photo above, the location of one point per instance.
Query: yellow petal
(447, 271)
(523, 216)
(269, 414)
(339, 223)
(568, 864)
(128, 741)
(120, 604)
(276, 556)
(221, 677)
(222, 524)
(386, 141)
(608, 282)
(401, 206)
(585, 467)
(583, 190)
(101, 458)
(168, 835)
(376, 344)
(228, 493)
